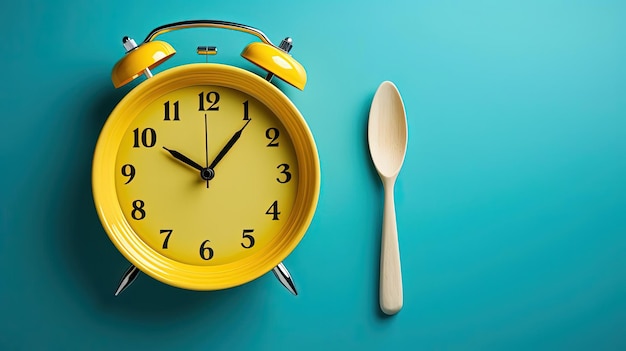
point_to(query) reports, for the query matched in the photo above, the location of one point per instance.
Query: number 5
(249, 237)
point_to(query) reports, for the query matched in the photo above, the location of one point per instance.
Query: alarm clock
(206, 176)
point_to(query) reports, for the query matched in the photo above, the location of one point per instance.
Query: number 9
(128, 170)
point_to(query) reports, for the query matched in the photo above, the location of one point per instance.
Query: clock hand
(184, 159)
(205, 173)
(228, 146)
(206, 146)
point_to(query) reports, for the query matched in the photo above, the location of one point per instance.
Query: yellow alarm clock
(206, 176)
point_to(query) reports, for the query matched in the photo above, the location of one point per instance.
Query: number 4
(273, 211)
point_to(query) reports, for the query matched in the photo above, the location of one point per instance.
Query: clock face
(205, 176)
(241, 202)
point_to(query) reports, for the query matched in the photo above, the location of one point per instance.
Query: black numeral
(245, 111)
(167, 111)
(212, 98)
(272, 134)
(128, 170)
(138, 212)
(250, 238)
(273, 211)
(167, 237)
(148, 137)
(285, 171)
(206, 253)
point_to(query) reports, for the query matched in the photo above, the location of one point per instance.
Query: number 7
(167, 237)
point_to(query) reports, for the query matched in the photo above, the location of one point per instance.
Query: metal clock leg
(280, 271)
(282, 274)
(128, 278)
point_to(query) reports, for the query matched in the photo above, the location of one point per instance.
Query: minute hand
(228, 146)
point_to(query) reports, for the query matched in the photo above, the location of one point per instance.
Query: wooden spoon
(387, 137)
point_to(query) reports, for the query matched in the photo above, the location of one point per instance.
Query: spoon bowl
(387, 130)
(387, 135)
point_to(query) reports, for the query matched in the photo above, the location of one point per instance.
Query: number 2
(272, 134)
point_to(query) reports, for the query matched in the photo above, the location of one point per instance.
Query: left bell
(138, 59)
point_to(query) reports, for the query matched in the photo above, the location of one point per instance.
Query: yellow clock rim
(180, 274)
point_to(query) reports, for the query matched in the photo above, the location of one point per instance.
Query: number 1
(245, 111)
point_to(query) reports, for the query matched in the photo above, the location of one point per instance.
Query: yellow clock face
(205, 176)
(205, 212)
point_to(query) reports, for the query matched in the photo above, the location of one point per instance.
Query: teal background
(511, 204)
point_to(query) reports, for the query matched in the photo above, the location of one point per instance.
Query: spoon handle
(390, 272)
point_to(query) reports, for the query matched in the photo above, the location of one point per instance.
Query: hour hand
(184, 159)
(206, 173)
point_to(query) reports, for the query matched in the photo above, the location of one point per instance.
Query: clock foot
(282, 274)
(128, 278)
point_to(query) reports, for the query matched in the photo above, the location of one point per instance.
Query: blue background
(511, 204)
